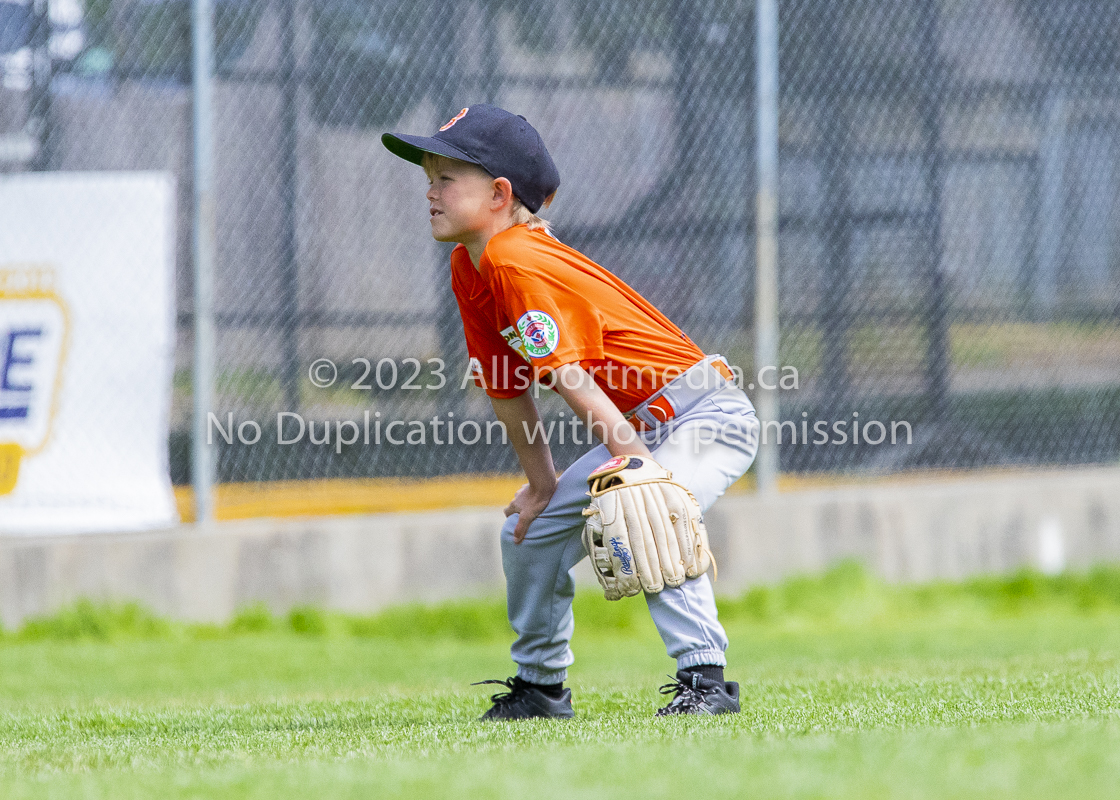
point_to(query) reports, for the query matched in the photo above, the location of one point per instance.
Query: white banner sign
(87, 341)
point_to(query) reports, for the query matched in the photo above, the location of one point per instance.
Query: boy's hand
(528, 503)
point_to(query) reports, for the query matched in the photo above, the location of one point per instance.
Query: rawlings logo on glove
(643, 531)
(623, 556)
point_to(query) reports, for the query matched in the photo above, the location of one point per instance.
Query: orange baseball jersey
(535, 301)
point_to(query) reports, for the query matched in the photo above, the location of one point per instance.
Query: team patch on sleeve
(539, 333)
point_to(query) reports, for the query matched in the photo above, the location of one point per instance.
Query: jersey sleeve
(555, 325)
(496, 367)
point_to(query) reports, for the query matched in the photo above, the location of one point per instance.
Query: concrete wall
(903, 531)
(913, 532)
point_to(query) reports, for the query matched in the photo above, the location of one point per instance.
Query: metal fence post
(202, 61)
(1052, 233)
(42, 75)
(766, 226)
(290, 321)
(836, 311)
(937, 302)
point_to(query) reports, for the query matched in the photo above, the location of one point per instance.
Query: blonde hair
(519, 214)
(523, 216)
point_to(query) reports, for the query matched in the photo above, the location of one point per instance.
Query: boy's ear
(503, 192)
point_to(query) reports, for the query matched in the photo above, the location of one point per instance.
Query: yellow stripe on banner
(330, 497)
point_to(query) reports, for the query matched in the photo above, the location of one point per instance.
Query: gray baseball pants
(707, 448)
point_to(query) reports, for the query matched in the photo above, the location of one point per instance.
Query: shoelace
(687, 695)
(502, 698)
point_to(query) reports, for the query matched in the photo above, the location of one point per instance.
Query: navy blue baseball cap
(503, 144)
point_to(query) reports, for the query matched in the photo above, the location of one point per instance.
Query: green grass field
(992, 689)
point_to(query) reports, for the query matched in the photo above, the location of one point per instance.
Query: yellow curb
(330, 497)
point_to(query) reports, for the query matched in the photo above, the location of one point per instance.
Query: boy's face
(460, 199)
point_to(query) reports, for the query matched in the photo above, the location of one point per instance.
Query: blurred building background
(950, 201)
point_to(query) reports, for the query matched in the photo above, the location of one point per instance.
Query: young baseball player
(675, 430)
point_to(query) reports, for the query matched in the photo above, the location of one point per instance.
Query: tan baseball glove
(643, 531)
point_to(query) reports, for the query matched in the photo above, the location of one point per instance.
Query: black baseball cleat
(525, 701)
(698, 695)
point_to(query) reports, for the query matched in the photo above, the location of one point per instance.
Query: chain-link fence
(950, 225)
(949, 228)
